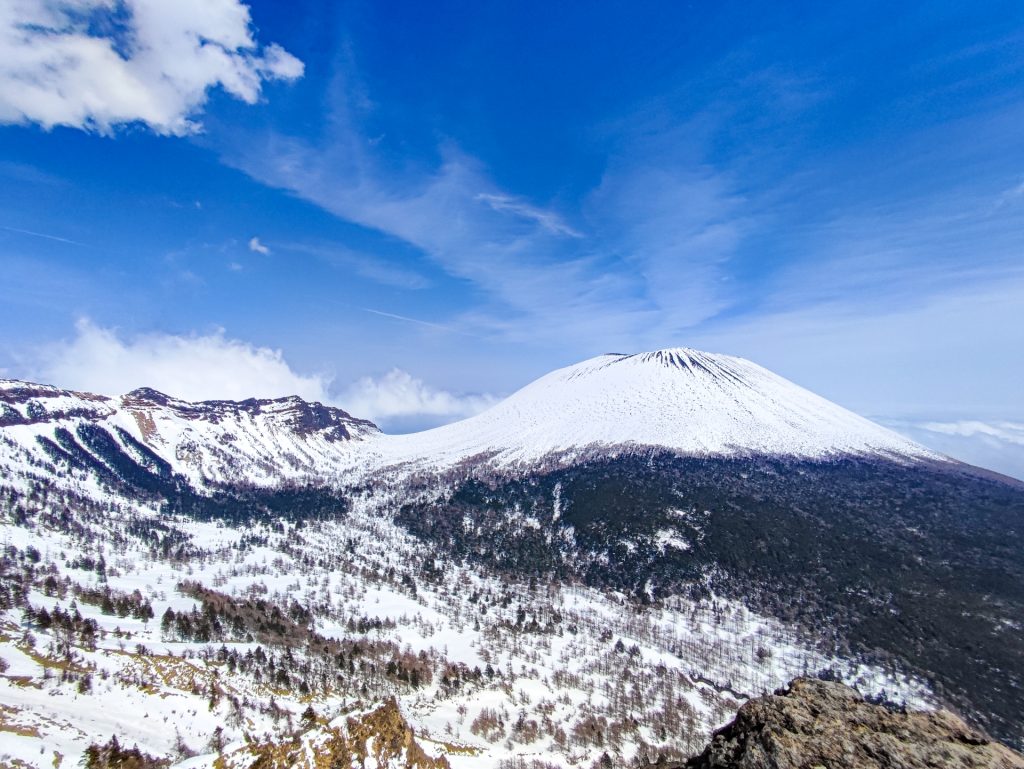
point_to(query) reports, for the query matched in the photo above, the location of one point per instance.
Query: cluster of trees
(86, 521)
(754, 532)
(296, 656)
(17, 573)
(132, 470)
(70, 627)
(111, 755)
(518, 619)
(115, 602)
(456, 675)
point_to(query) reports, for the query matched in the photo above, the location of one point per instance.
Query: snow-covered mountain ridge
(256, 441)
(683, 401)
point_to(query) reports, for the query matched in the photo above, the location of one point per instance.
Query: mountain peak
(682, 359)
(676, 359)
(148, 395)
(673, 357)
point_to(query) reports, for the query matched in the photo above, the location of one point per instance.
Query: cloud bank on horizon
(459, 208)
(214, 367)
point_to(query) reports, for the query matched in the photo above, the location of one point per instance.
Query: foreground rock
(821, 725)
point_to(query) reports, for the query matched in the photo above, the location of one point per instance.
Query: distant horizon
(420, 209)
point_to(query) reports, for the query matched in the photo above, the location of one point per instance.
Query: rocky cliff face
(381, 738)
(816, 724)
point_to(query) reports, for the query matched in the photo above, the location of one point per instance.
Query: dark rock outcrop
(822, 725)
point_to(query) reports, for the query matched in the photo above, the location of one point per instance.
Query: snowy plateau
(596, 571)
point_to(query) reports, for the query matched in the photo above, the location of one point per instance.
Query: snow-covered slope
(105, 633)
(689, 402)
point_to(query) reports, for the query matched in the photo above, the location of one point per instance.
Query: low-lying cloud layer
(997, 445)
(399, 401)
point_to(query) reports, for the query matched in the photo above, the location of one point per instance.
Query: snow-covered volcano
(682, 400)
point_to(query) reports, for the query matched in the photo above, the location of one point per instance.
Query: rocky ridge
(816, 724)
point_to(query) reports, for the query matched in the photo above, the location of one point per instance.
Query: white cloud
(1011, 195)
(151, 61)
(191, 367)
(676, 229)
(41, 235)
(257, 247)
(662, 230)
(398, 396)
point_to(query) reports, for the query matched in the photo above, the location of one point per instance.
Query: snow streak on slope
(686, 401)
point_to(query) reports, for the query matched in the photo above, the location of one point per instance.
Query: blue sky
(411, 209)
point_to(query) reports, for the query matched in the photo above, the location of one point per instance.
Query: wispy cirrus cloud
(375, 268)
(418, 322)
(525, 270)
(1010, 196)
(676, 229)
(546, 219)
(689, 233)
(26, 172)
(646, 263)
(639, 259)
(42, 235)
